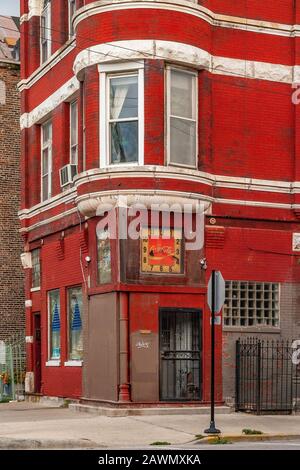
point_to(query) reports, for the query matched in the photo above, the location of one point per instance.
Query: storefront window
(54, 324)
(104, 257)
(75, 323)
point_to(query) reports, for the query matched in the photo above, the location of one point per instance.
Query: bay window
(75, 324)
(46, 31)
(54, 324)
(121, 116)
(182, 117)
(46, 166)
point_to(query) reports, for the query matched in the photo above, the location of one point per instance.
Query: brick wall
(11, 273)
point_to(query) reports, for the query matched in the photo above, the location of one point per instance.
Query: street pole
(212, 428)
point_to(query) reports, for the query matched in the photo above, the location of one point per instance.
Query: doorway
(180, 354)
(37, 352)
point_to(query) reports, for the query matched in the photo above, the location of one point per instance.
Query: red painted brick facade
(247, 167)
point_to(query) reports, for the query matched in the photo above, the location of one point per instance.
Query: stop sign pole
(215, 300)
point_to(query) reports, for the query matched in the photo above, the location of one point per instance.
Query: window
(121, 121)
(250, 303)
(36, 268)
(46, 160)
(104, 257)
(54, 324)
(46, 31)
(75, 323)
(182, 118)
(72, 9)
(74, 133)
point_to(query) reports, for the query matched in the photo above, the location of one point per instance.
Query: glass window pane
(54, 323)
(183, 94)
(75, 323)
(45, 188)
(124, 142)
(36, 268)
(45, 161)
(124, 97)
(104, 257)
(74, 123)
(183, 142)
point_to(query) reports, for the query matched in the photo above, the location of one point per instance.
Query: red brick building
(167, 102)
(12, 318)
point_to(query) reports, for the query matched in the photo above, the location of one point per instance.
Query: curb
(34, 444)
(248, 438)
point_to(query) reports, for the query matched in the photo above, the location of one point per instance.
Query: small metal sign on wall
(2, 353)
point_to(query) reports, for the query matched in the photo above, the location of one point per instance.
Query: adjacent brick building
(12, 319)
(176, 102)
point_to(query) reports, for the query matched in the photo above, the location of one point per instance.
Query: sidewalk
(26, 425)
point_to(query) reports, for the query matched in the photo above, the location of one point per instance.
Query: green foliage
(220, 440)
(160, 443)
(250, 432)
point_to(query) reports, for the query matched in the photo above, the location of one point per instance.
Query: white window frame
(113, 71)
(52, 362)
(168, 115)
(46, 13)
(44, 146)
(71, 14)
(74, 145)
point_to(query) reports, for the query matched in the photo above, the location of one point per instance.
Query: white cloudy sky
(9, 7)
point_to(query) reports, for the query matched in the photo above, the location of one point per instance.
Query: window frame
(36, 250)
(106, 72)
(49, 168)
(74, 103)
(195, 74)
(46, 13)
(70, 18)
(70, 361)
(51, 360)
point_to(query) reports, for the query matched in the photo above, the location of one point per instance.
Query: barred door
(180, 354)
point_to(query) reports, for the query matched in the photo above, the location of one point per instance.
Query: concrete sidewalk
(26, 425)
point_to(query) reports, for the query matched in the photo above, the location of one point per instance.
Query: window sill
(252, 329)
(53, 363)
(35, 289)
(73, 364)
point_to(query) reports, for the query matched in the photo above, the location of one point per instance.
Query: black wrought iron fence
(267, 376)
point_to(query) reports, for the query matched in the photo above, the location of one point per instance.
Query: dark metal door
(37, 353)
(180, 354)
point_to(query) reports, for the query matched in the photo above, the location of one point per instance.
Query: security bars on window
(249, 303)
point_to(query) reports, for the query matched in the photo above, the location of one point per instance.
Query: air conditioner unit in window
(67, 174)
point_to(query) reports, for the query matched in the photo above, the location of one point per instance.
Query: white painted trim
(92, 198)
(73, 363)
(52, 363)
(43, 69)
(39, 113)
(62, 198)
(187, 7)
(48, 221)
(186, 55)
(184, 174)
(35, 289)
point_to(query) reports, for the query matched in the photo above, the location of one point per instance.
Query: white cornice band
(53, 101)
(185, 54)
(183, 6)
(161, 172)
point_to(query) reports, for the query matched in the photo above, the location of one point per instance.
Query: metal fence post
(237, 374)
(258, 376)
